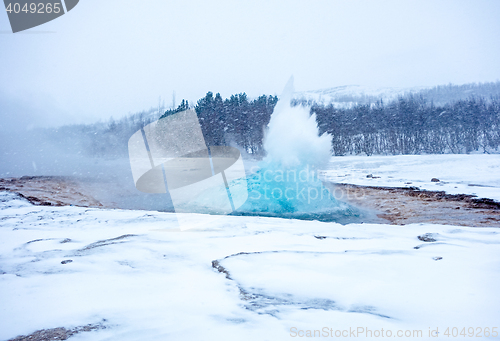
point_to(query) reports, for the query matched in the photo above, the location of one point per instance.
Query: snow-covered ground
(477, 174)
(143, 279)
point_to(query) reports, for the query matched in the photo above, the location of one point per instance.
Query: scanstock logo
(25, 14)
(170, 155)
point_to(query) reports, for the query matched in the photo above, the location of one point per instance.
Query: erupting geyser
(286, 183)
(292, 139)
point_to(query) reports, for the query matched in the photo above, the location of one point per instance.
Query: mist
(93, 64)
(90, 154)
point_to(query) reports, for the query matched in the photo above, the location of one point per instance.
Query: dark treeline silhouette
(444, 94)
(411, 125)
(182, 107)
(235, 120)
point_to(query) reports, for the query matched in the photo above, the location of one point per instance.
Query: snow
(475, 174)
(340, 96)
(144, 279)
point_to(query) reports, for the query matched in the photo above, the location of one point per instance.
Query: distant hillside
(445, 94)
(349, 96)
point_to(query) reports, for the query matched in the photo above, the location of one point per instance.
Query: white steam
(292, 138)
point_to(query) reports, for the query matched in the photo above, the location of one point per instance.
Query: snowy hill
(350, 95)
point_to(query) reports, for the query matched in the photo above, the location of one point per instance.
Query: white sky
(109, 58)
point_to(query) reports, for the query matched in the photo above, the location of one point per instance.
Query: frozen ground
(477, 174)
(240, 278)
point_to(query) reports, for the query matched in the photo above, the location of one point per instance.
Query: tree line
(408, 125)
(235, 120)
(412, 125)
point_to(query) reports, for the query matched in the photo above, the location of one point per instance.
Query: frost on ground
(244, 278)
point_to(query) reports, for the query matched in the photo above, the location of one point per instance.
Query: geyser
(286, 183)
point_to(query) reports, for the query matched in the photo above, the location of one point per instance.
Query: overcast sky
(113, 57)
